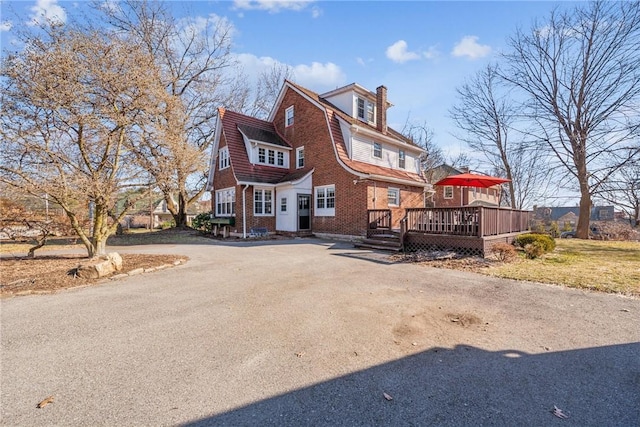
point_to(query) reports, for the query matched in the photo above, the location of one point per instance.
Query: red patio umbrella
(471, 180)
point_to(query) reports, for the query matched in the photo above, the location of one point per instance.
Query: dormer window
(370, 113)
(361, 105)
(366, 111)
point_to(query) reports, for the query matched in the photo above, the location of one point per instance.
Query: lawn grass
(605, 266)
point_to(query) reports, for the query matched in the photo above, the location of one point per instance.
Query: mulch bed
(49, 273)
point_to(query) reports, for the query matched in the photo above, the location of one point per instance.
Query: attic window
(370, 113)
(401, 159)
(288, 116)
(223, 158)
(361, 105)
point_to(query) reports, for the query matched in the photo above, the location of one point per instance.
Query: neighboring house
(454, 196)
(161, 214)
(316, 165)
(570, 214)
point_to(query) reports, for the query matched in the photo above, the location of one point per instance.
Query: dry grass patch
(605, 266)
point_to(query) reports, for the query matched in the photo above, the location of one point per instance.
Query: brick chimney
(381, 109)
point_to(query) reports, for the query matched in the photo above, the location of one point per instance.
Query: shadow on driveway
(465, 386)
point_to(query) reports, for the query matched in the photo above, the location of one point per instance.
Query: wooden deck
(468, 229)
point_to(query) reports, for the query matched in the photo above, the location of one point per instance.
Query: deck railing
(478, 221)
(378, 221)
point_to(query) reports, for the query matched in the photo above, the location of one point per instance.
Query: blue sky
(420, 50)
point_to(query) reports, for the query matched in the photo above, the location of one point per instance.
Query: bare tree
(194, 55)
(423, 136)
(487, 114)
(581, 74)
(623, 191)
(267, 89)
(69, 101)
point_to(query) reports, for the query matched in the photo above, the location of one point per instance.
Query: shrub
(504, 252)
(547, 242)
(534, 249)
(202, 222)
(554, 230)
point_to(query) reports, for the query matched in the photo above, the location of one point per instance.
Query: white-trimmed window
(401, 159)
(262, 202)
(226, 202)
(370, 113)
(361, 107)
(288, 116)
(299, 157)
(283, 205)
(393, 196)
(448, 191)
(223, 158)
(325, 200)
(377, 150)
(271, 157)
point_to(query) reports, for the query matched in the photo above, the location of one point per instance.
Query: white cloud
(316, 12)
(317, 76)
(272, 6)
(398, 52)
(47, 10)
(5, 26)
(470, 48)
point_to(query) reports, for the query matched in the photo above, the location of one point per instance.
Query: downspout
(375, 194)
(244, 211)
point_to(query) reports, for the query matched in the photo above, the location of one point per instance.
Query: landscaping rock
(115, 259)
(95, 269)
(101, 267)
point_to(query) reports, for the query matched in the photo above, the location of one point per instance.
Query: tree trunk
(582, 229)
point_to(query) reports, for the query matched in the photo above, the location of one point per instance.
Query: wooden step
(385, 244)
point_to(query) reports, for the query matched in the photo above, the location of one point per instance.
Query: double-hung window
(401, 159)
(272, 157)
(262, 202)
(299, 157)
(262, 155)
(377, 150)
(370, 113)
(223, 158)
(393, 196)
(448, 191)
(288, 116)
(361, 108)
(325, 200)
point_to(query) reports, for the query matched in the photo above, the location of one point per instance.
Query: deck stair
(389, 241)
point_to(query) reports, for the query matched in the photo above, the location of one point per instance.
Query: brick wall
(311, 131)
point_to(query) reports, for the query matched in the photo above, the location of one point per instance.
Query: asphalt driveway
(312, 332)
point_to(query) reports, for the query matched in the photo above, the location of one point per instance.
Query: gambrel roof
(233, 126)
(335, 116)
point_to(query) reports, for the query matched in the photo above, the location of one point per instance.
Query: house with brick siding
(448, 196)
(317, 165)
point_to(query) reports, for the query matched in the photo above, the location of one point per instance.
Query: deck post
(480, 222)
